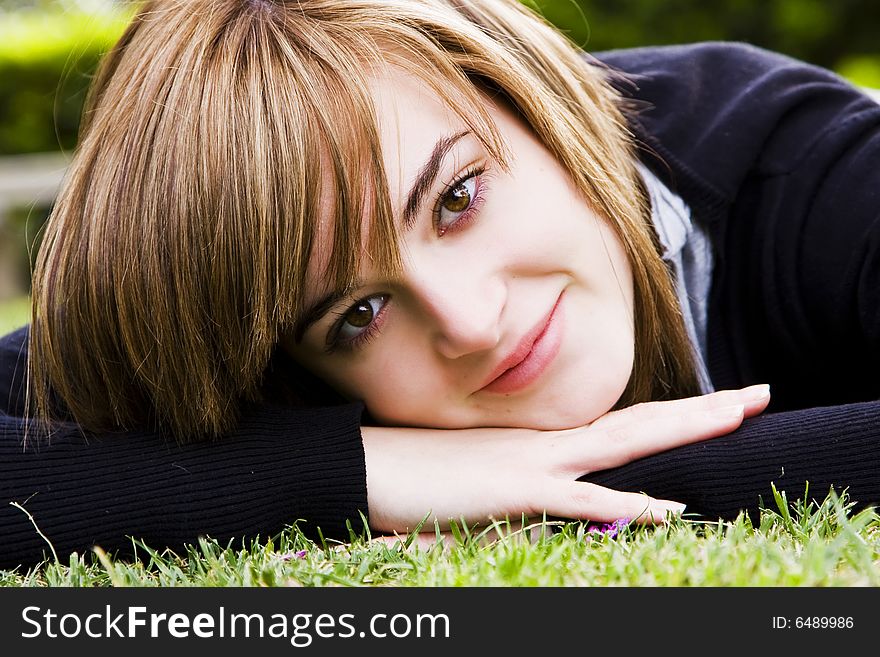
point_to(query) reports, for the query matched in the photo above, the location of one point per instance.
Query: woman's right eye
(358, 323)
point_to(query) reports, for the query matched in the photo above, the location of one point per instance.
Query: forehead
(410, 117)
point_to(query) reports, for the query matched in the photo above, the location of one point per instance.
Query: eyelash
(480, 173)
(335, 343)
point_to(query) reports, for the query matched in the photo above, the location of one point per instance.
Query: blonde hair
(175, 257)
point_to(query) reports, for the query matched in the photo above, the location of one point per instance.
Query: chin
(550, 416)
(559, 419)
(568, 412)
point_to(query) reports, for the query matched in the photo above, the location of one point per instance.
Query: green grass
(14, 313)
(794, 545)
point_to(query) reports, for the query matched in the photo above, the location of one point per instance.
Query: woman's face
(514, 307)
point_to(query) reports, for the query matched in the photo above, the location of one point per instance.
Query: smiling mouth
(531, 357)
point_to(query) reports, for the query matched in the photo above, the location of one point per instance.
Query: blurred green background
(49, 50)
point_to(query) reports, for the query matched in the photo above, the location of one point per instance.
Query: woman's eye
(456, 202)
(357, 320)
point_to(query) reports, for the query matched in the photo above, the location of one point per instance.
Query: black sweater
(779, 159)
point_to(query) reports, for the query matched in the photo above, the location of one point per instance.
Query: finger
(585, 501)
(757, 400)
(610, 447)
(754, 400)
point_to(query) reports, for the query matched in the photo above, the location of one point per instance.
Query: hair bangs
(346, 207)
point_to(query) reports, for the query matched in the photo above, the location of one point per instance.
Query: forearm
(832, 446)
(279, 466)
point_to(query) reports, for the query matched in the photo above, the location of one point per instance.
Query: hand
(475, 475)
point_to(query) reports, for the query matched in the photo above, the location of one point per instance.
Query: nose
(462, 306)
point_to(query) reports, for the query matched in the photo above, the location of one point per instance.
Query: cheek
(396, 382)
(539, 203)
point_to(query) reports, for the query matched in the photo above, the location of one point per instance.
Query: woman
(502, 248)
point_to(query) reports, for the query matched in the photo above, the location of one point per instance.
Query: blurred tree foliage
(46, 63)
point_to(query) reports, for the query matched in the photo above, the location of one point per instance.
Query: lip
(531, 357)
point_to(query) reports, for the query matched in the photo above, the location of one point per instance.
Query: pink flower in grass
(609, 529)
(300, 554)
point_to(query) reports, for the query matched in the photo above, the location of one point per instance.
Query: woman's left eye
(358, 322)
(458, 202)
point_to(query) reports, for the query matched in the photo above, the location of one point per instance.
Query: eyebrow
(424, 181)
(426, 177)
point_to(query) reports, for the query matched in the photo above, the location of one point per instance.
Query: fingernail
(758, 392)
(675, 508)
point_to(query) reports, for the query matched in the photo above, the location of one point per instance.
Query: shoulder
(782, 159)
(14, 342)
(737, 58)
(13, 369)
(709, 75)
(718, 112)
